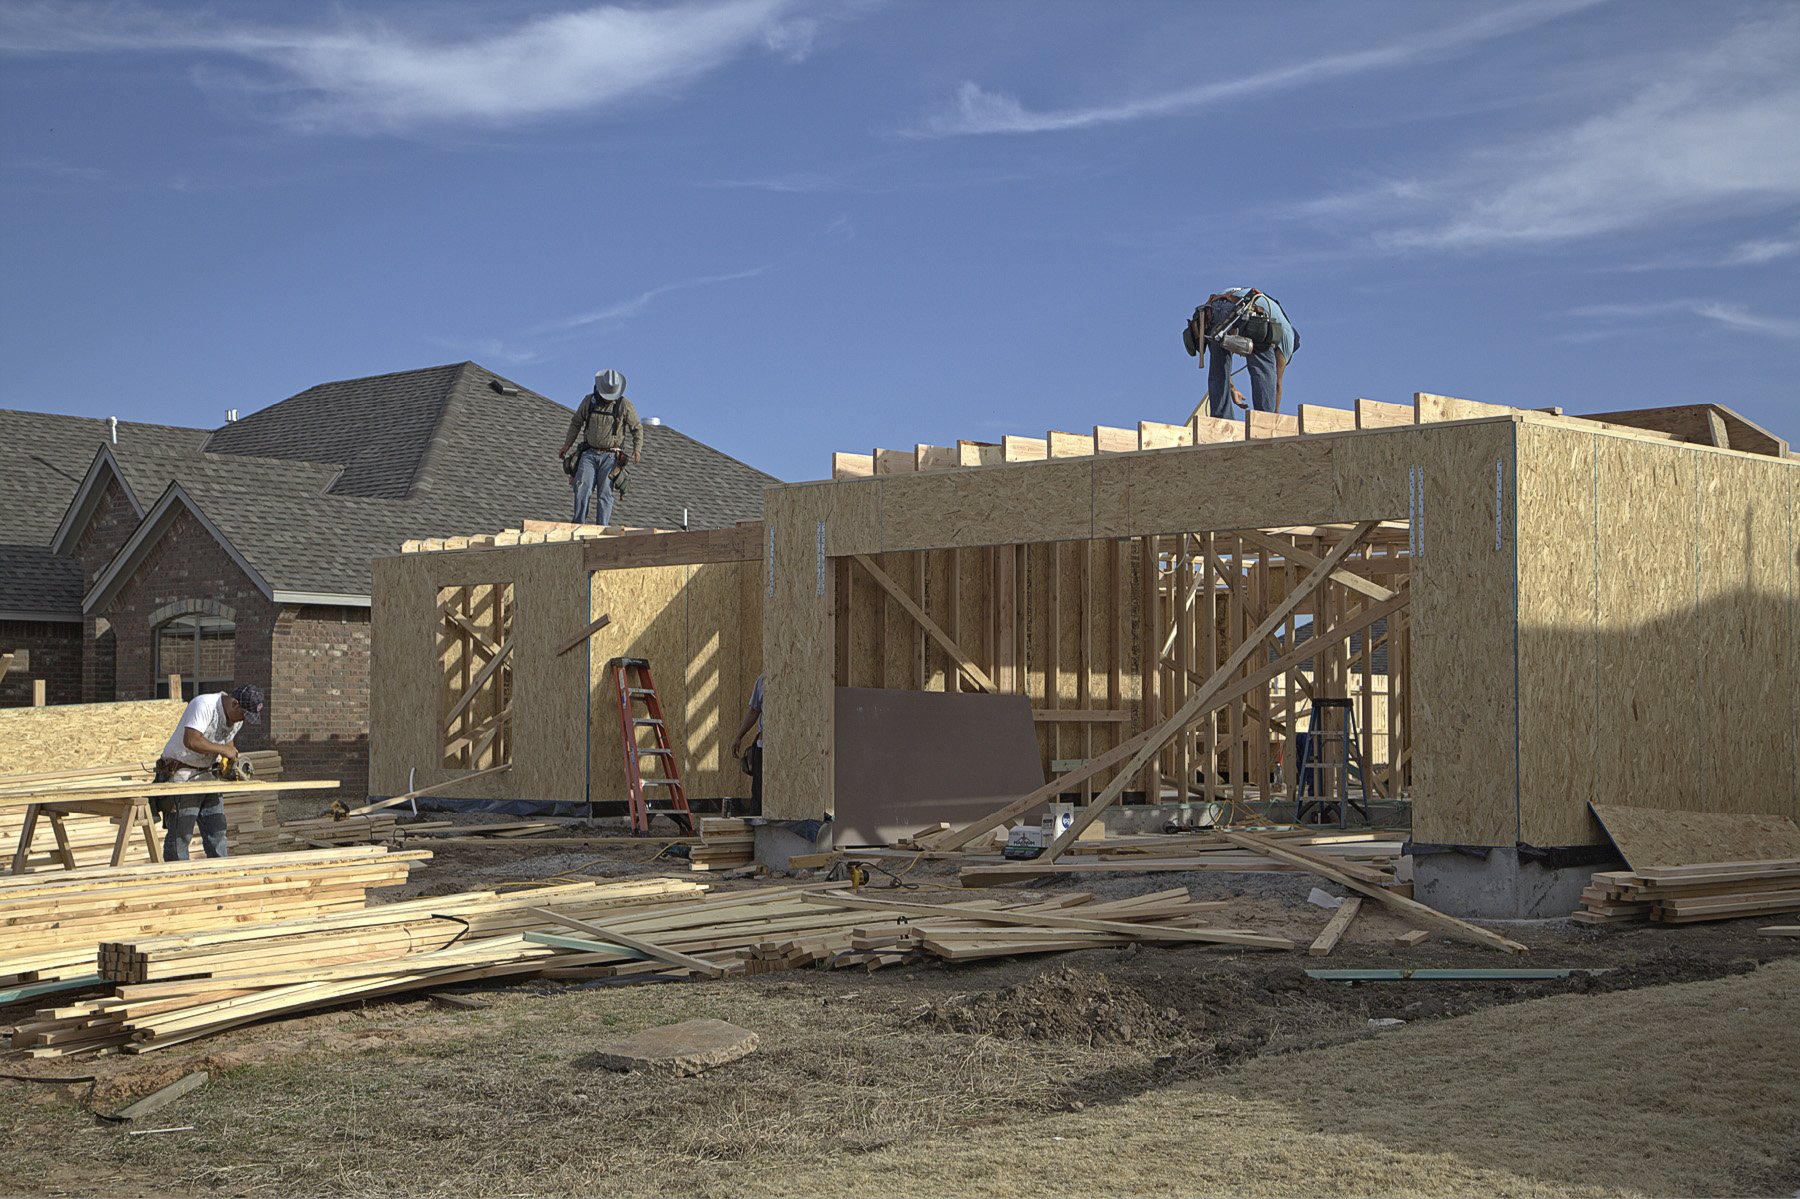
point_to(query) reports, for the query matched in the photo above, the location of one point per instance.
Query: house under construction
(1526, 613)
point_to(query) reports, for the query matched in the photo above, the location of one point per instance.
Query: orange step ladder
(636, 687)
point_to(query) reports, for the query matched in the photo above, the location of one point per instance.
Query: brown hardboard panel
(1558, 638)
(1744, 623)
(1649, 715)
(907, 759)
(1662, 837)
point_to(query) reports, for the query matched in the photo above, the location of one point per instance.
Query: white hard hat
(609, 385)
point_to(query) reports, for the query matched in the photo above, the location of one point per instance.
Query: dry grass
(1680, 1090)
(1683, 1090)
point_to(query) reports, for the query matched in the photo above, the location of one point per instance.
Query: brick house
(130, 552)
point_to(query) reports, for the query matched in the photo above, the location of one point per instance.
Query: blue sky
(799, 227)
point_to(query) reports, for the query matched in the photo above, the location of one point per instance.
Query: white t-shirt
(206, 713)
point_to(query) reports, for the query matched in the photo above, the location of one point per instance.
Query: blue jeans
(1262, 380)
(593, 477)
(209, 811)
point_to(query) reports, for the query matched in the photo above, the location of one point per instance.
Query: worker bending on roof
(207, 732)
(610, 436)
(1243, 321)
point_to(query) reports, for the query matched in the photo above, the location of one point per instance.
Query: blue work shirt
(1284, 329)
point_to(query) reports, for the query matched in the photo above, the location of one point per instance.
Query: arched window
(201, 649)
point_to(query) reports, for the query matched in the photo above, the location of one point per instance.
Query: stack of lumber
(1692, 893)
(724, 843)
(251, 818)
(373, 829)
(168, 990)
(52, 923)
(171, 989)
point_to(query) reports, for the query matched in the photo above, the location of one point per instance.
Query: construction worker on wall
(609, 435)
(207, 732)
(752, 759)
(1243, 321)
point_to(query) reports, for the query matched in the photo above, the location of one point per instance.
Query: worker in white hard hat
(610, 436)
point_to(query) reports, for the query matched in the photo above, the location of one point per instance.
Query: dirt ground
(1142, 1070)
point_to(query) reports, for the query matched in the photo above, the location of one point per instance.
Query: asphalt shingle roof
(310, 489)
(43, 458)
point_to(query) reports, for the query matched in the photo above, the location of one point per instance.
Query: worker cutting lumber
(203, 746)
(1245, 322)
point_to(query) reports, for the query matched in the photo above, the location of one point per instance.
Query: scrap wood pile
(1688, 894)
(166, 990)
(1368, 855)
(51, 922)
(724, 843)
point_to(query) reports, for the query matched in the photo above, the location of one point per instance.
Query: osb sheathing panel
(1658, 682)
(1559, 684)
(1649, 717)
(63, 736)
(549, 721)
(1216, 487)
(700, 627)
(798, 642)
(1050, 501)
(1464, 766)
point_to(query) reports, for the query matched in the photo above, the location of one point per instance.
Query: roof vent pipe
(684, 518)
(112, 429)
(653, 420)
(231, 416)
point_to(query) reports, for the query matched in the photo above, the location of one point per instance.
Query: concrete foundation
(776, 843)
(1498, 886)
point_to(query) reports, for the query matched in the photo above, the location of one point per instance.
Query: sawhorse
(129, 814)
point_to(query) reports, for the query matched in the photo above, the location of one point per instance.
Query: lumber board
(1335, 928)
(581, 638)
(648, 948)
(434, 789)
(1325, 868)
(997, 916)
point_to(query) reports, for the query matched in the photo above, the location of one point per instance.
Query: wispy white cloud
(626, 309)
(365, 75)
(1765, 249)
(1614, 319)
(1714, 134)
(55, 168)
(977, 110)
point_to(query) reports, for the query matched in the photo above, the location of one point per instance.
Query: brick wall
(187, 565)
(107, 530)
(54, 651)
(319, 706)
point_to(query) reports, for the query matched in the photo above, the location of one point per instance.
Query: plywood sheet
(907, 759)
(1559, 675)
(62, 736)
(1661, 837)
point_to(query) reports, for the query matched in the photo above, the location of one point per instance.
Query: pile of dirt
(1061, 1004)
